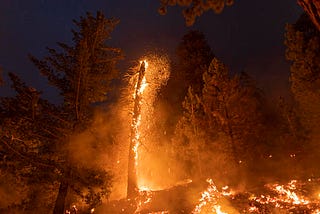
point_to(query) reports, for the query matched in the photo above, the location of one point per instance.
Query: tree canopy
(36, 134)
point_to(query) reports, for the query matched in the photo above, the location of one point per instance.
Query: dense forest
(181, 134)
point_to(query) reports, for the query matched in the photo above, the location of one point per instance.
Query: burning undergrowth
(291, 197)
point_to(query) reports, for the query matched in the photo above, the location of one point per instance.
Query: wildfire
(217, 209)
(282, 196)
(152, 74)
(145, 197)
(136, 125)
(137, 119)
(286, 195)
(209, 198)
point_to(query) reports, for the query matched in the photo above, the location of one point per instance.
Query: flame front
(210, 197)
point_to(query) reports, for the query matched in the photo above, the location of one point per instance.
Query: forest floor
(204, 197)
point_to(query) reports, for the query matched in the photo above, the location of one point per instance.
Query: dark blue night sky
(248, 35)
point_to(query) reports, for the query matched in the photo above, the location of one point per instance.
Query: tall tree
(303, 42)
(193, 58)
(29, 128)
(228, 112)
(83, 73)
(191, 132)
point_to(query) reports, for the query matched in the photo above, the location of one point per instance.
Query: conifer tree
(303, 42)
(193, 58)
(29, 134)
(36, 134)
(227, 116)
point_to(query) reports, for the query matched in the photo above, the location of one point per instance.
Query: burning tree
(144, 84)
(135, 133)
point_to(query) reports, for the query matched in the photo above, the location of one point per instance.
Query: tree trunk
(230, 133)
(62, 194)
(312, 8)
(132, 188)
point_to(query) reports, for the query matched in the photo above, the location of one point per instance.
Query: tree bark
(312, 8)
(59, 206)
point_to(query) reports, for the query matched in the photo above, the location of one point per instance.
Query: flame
(136, 123)
(210, 198)
(286, 195)
(317, 211)
(145, 197)
(143, 86)
(136, 126)
(217, 209)
(155, 75)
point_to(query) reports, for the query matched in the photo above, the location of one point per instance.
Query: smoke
(104, 145)
(106, 142)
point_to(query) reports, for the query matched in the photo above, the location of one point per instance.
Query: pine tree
(233, 104)
(193, 59)
(190, 135)
(303, 42)
(29, 137)
(226, 117)
(83, 74)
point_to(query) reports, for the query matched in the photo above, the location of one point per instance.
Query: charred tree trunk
(59, 206)
(132, 188)
(312, 8)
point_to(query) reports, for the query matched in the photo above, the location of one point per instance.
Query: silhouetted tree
(227, 116)
(303, 42)
(193, 59)
(83, 74)
(29, 135)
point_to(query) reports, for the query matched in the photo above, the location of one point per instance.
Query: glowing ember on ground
(217, 209)
(145, 197)
(286, 195)
(209, 198)
(291, 197)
